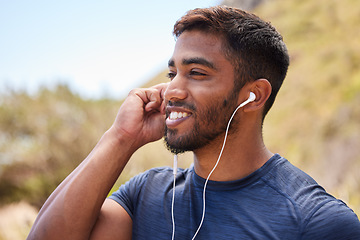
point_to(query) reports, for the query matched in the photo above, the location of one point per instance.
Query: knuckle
(134, 91)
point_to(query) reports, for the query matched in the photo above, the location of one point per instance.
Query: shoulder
(332, 220)
(297, 187)
(320, 214)
(292, 183)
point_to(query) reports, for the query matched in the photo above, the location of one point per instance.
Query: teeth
(177, 115)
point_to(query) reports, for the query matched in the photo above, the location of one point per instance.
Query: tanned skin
(200, 75)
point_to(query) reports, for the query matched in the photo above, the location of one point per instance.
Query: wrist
(121, 140)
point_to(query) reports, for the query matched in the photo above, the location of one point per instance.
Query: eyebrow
(195, 60)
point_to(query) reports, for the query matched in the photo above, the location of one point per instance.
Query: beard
(209, 124)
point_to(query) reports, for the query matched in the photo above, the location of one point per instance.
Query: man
(221, 56)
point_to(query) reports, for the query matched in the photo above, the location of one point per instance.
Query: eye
(171, 75)
(197, 73)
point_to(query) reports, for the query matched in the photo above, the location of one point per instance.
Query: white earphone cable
(250, 99)
(173, 197)
(216, 164)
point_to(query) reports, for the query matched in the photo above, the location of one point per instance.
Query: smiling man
(226, 70)
(201, 96)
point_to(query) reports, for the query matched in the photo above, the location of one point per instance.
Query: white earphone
(251, 98)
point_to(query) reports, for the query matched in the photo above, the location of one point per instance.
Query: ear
(262, 89)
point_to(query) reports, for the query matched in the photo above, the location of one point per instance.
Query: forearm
(72, 209)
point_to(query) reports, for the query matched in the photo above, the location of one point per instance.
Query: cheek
(213, 104)
(216, 112)
(226, 103)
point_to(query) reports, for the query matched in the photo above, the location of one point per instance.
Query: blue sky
(97, 47)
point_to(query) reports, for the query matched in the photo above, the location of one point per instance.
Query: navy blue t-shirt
(278, 201)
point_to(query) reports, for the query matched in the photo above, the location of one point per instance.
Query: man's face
(200, 97)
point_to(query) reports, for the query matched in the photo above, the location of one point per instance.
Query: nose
(176, 89)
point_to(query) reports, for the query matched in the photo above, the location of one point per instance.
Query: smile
(178, 115)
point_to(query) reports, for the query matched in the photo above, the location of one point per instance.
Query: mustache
(188, 106)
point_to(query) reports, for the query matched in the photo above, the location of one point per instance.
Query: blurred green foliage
(44, 136)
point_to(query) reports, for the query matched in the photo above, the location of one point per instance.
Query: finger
(153, 97)
(162, 88)
(145, 95)
(154, 100)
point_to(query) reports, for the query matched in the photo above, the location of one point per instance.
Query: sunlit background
(66, 66)
(99, 48)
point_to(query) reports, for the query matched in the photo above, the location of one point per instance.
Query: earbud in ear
(252, 97)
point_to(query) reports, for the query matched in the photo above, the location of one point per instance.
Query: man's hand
(75, 212)
(142, 115)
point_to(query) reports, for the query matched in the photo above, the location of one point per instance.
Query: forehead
(198, 44)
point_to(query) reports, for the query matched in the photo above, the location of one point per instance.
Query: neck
(241, 156)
